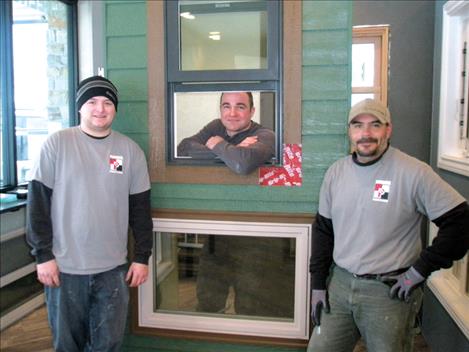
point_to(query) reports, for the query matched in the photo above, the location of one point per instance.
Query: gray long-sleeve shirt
(241, 160)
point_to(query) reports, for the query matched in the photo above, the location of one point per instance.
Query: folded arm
(243, 159)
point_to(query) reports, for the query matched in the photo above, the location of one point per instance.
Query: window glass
(363, 67)
(229, 35)
(194, 110)
(359, 97)
(7, 165)
(41, 66)
(229, 276)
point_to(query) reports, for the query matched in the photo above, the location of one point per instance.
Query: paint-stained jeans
(88, 312)
(362, 307)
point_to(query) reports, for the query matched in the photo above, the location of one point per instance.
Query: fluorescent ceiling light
(214, 35)
(187, 15)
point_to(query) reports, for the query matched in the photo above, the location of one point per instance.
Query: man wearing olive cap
(87, 186)
(367, 263)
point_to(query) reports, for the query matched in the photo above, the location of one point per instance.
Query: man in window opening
(367, 264)
(88, 185)
(242, 144)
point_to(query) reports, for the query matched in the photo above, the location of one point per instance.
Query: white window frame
(453, 154)
(162, 253)
(91, 39)
(297, 329)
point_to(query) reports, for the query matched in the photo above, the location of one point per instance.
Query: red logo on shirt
(116, 165)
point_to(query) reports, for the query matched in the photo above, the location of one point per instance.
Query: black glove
(404, 284)
(319, 301)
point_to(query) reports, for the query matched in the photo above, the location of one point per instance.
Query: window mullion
(7, 99)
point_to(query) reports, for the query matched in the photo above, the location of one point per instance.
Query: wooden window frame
(379, 37)
(160, 171)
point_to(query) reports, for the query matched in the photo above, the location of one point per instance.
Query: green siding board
(127, 52)
(323, 150)
(230, 192)
(326, 14)
(321, 117)
(323, 83)
(240, 206)
(132, 117)
(131, 83)
(126, 18)
(325, 48)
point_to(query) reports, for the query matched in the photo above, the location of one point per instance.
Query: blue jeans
(88, 312)
(362, 308)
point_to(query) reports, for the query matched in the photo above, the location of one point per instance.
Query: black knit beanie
(93, 87)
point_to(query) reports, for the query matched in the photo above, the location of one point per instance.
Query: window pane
(363, 65)
(41, 76)
(228, 276)
(2, 141)
(194, 110)
(224, 35)
(359, 97)
(6, 108)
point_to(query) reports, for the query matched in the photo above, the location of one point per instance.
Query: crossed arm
(242, 158)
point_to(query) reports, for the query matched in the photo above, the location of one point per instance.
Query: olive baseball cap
(370, 107)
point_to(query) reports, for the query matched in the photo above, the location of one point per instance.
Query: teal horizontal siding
(243, 193)
(326, 15)
(132, 117)
(325, 47)
(325, 82)
(126, 18)
(131, 83)
(324, 117)
(127, 47)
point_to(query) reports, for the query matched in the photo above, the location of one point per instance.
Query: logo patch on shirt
(381, 191)
(116, 164)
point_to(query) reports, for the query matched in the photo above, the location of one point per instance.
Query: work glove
(319, 301)
(403, 284)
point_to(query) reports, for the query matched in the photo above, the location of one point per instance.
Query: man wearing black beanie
(88, 185)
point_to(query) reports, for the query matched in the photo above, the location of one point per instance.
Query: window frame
(145, 319)
(9, 152)
(266, 86)
(7, 106)
(163, 172)
(378, 35)
(453, 149)
(173, 40)
(222, 80)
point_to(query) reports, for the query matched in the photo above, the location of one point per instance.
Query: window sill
(455, 303)
(9, 202)
(456, 164)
